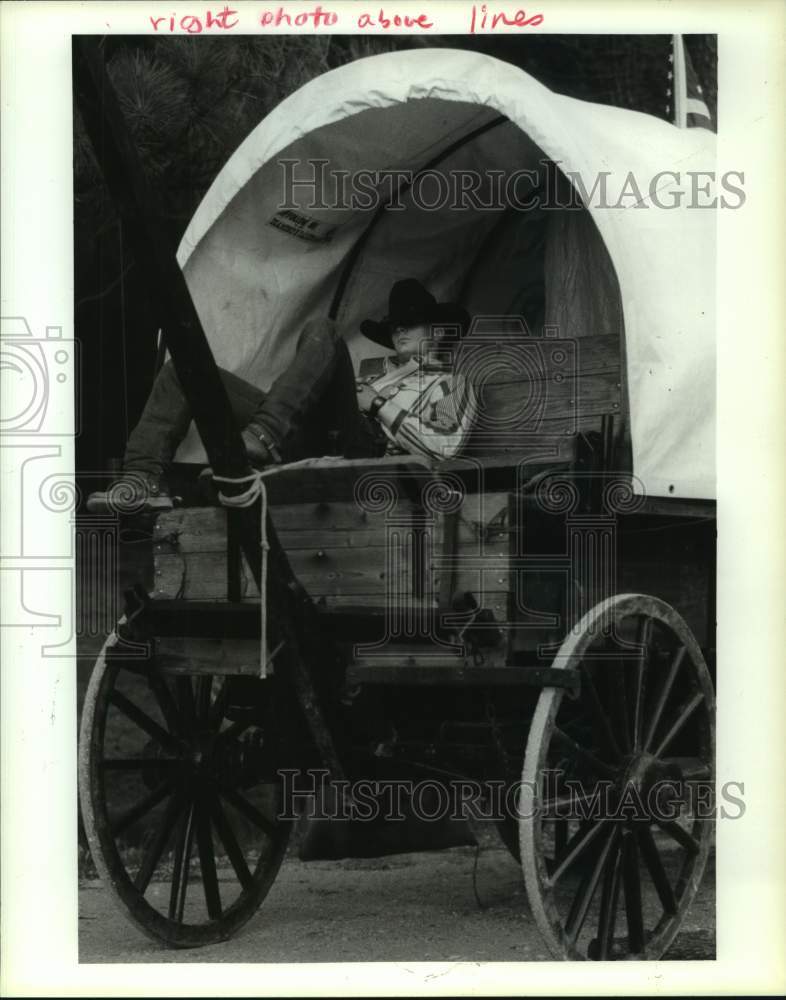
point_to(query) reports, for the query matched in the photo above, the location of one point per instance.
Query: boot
(132, 493)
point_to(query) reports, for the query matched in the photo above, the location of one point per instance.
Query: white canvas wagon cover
(257, 274)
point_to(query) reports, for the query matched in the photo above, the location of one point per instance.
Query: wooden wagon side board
(346, 556)
(399, 566)
(532, 391)
(335, 550)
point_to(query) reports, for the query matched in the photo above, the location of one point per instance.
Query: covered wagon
(534, 613)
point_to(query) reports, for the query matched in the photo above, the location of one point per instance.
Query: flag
(690, 108)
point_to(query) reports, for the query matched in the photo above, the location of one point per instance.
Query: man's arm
(437, 424)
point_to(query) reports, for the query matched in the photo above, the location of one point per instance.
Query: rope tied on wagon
(255, 490)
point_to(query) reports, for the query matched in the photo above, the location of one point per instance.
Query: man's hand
(366, 397)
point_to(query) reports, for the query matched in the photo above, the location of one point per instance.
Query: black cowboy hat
(410, 304)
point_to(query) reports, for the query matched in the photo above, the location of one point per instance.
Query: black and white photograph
(390, 489)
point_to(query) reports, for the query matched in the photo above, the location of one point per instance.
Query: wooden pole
(154, 254)
(293, 615)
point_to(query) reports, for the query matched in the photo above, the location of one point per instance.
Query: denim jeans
(311, 409)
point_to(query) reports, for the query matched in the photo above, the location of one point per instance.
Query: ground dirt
(410, 908)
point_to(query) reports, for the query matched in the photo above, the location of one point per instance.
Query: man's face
(410, 340)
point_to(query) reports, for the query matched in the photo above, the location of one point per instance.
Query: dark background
(190, 102)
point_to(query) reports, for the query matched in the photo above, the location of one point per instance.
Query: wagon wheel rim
(616, 879)
(190, 788)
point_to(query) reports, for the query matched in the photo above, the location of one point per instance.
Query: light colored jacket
(429, 410)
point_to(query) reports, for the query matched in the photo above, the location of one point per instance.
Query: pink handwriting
(194, 24)
(394, 21)
(320, 17)
(316, 18)
(481, 20)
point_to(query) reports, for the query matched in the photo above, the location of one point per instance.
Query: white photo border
(38, 695)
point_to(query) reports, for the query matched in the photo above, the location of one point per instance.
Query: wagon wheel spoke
(179, 887)
(643, 638)
(681, 835)
(207, 861)
(576, 846)
(156, 847)
(601, 714)
(684, 713)
(149, 755)
(243, 806)
(642, 721)
(690, 768)
(141, 719)
(663, 695)
(231, 846)
(609, 900)
(555, 808)
(203, 698)
(660, 879)
(142, 808)
(185, 694)
(632, 886)
(163, 696)
(561, 830)
(218, 707)
(586, 755)
(583, 899)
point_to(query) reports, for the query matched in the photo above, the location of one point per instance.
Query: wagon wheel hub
(615, 883)
(165, 767)
(209, 759)
(644, 773)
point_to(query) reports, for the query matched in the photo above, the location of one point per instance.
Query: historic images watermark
(77, 553)
(312, 185)
(311, 794)
(525, 395)
(40, 412)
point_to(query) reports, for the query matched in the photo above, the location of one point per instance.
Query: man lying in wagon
(409, 402)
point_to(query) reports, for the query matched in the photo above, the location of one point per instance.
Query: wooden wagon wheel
(638, 745)
(174, 793)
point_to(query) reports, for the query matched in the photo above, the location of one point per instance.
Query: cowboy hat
(410, 304)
